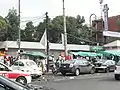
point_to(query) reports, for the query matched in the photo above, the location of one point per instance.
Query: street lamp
(65, 34)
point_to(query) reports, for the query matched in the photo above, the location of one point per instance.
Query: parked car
(7, 84)
(28, 66)
(15, 75)
(76, 67)
(105, 65)
(117, 71)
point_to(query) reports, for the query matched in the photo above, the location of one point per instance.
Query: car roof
(25, 60)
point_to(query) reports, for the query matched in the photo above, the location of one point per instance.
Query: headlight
(71, 65)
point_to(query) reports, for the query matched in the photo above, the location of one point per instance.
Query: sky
(37, 8)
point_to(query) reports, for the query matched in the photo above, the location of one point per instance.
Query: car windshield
(118, 64)
(69, 61)
(30, 63)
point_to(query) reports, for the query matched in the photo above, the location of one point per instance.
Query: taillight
(115, 67)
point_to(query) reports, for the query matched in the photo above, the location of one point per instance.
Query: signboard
(105, 10)
(96, 48)
(111, 34)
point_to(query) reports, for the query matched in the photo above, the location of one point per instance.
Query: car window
(112, 63)
(16, 64)
(21, 64)
(3, 68)
(80, 62)
(107, 63)
(30, 63)
(118, 64)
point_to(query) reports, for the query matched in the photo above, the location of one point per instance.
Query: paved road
(99, 81)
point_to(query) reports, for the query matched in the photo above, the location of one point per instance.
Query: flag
(43, 40)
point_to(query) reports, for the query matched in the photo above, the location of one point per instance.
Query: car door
(82, 66)
(112, 65)
(87, 66)
(4, 70)
(18, 65)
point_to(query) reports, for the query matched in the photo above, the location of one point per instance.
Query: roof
(38, 45)
(114, 43)
(27, 45)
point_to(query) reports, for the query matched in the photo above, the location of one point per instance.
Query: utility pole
(47, 41)
(65, 34)
(19, 32)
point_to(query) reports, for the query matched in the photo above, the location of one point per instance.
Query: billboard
(111, 34)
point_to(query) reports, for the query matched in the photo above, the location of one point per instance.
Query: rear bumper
(100, 68)
(67, 70)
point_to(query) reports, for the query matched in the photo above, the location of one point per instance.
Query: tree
(3, 28)
(29, 31)
(77, 31)
(13, 19)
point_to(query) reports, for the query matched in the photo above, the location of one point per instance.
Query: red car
(15, 75)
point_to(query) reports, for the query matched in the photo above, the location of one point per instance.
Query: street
(98, 81)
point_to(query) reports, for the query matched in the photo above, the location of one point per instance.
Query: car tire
(63, 73)
(117, 77)
(22, 80)
(92, 71)
(107, 70)
(77, 72)
(96, 70)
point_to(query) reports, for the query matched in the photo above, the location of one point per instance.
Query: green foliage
(77, 31)
(3, 29)
(29, 31)
(13, 20)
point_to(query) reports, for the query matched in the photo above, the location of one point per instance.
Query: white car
(117, 71)
(14, 75)
(28, 66)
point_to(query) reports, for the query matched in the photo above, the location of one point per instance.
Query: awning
(35, 54)
(87, 54)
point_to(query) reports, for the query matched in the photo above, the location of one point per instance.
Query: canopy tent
(35, 54)
(87, 54)
(110, 52)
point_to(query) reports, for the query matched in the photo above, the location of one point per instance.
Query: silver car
(77, 66)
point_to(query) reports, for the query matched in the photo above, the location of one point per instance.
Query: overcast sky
(33, 8)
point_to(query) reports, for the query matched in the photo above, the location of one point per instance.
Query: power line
(38, 18)
(82, 39)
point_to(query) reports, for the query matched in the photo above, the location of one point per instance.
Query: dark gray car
(77, 66)
(105, 65)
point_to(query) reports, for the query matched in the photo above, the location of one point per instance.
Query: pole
(65, 34)
(19, 33)
(47, 41)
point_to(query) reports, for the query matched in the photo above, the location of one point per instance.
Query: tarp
(36, 54)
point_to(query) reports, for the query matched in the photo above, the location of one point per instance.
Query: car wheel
(77, 72)
(96, 70)
(92, 71)
(63, 73)
(117, 77)
(107, 70)
(22, 80)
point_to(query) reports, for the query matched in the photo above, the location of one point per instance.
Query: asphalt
(98, 81)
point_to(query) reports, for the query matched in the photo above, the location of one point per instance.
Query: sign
(96, 48)
(111, 33)
(105, 10)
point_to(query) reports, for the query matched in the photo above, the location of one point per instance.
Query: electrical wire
(37, 18)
